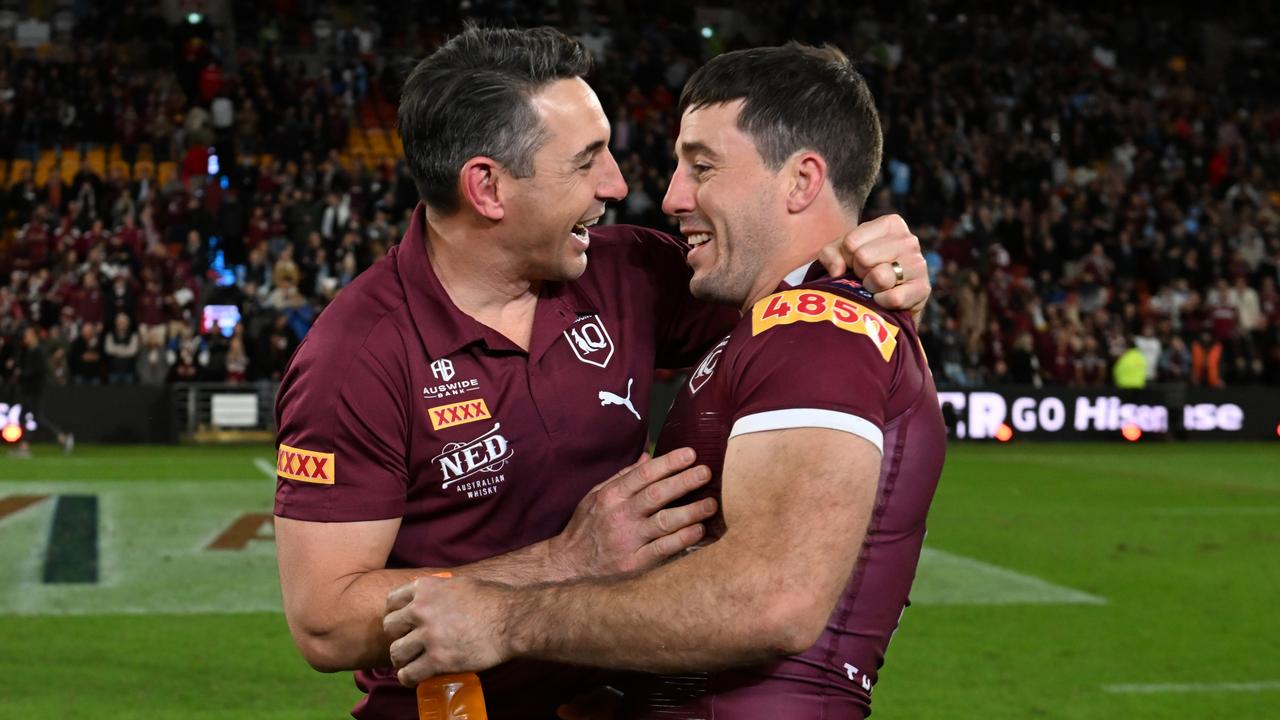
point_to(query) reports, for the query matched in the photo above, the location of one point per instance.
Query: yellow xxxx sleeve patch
(305, 465)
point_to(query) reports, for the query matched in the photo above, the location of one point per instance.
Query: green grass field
(1059, 581)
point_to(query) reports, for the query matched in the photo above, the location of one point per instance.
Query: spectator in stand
(1206, 360)
(85, 356)
(153, 363)
(121, 347)
(237, 362)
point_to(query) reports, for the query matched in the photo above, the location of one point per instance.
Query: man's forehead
(712, 128)
(571, 114)
(569, 99)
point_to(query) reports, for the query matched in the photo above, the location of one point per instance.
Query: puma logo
(607, 398)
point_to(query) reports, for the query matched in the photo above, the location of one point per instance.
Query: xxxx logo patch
(305, 465)
(459, 413)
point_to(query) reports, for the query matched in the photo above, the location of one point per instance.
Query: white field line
(989, 584)
(267, 468)
(1153, 688)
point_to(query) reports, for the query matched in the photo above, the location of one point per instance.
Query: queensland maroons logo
(705, 368)
(590, 341)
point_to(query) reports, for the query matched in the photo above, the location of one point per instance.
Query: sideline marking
(1151, 688)
(267, 468)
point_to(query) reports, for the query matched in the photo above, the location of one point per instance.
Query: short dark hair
(797, 97)
(472, 97)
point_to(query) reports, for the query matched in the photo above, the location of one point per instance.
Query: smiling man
(817, 416)
(456, 406)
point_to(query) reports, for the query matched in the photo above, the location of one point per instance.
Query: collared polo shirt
(398, 405)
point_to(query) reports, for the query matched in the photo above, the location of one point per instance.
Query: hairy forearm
(345, 632)
(708, 610)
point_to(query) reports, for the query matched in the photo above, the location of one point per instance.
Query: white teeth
(591, 222)
(697, 239)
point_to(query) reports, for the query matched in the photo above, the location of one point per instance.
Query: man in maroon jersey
(817, 416)
(457, 404)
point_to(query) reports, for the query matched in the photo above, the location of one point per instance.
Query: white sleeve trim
(809, 417)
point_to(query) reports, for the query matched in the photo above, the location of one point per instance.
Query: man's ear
(807, 173)
(478, 184)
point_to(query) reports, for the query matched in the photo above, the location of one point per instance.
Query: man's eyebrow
(585, 153)
(693, 147)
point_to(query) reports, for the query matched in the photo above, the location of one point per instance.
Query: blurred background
(185, 185)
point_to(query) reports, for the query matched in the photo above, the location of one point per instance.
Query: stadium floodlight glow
(1004, 433)
(195, 18)
(707, 32)
(1131, 432)
(1277, 429)
(11, 433)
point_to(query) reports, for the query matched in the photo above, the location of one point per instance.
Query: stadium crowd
(1080, 190)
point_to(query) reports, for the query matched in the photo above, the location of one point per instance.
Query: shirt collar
(444, 329)
(807, 272)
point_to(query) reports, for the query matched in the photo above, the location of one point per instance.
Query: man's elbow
(322, 647)
(321, 655)
(792, 623)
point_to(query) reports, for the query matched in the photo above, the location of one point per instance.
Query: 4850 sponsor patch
(792, 306)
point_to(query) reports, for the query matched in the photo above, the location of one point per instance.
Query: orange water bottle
(451, 697)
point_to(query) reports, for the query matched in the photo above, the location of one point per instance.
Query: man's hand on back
(869, 252)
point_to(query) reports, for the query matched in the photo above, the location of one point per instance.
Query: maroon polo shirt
(398, 405)
(817, 354)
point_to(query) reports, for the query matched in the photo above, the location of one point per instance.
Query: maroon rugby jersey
(399, 405)
(821, 354)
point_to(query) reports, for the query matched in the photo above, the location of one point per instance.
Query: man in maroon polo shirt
(817, 416)
(457, 404)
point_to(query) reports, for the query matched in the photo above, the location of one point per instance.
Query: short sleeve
(342, 440)
(813, 359)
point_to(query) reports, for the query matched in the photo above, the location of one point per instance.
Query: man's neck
(804, 241)
(479, 279)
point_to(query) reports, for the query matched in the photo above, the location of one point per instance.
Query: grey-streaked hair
(472, 97)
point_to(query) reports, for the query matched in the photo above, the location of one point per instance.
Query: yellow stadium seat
(265, 160)
(165, 172)
(113, 153)
(144, 168)
(18, 170)
(42, 175)
(96, 159)
(121, 167)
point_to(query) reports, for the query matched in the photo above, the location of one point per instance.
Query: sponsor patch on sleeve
(305, 465)
(459, 413)
(792, 306)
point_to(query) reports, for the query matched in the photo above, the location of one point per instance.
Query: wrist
(552, 562)
(517, 631)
